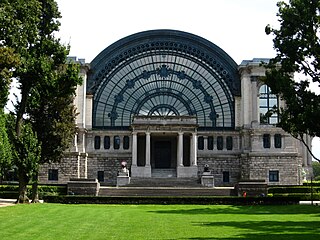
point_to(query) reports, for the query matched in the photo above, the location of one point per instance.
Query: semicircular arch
(167, 63)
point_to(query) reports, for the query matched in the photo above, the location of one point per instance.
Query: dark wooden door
(162, 154)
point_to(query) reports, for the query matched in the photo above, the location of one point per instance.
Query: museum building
(169, 103)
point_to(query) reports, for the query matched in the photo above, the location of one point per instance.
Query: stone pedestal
(123, 179)
(207, 180)
(83, 186)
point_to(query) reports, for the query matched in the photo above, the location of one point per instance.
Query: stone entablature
(160, 124)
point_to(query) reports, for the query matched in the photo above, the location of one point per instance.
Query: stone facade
(246, 149)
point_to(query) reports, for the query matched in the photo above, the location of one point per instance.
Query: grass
(55, 221)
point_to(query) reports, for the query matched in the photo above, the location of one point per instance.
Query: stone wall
(219, 164)
(288, 166)
(67, 168)
(109, 164)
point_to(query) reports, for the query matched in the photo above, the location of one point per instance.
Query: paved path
(317, 203)
(7, 202)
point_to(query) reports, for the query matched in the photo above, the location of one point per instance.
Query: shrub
(11, 191)
(294, 189)
(172, 200)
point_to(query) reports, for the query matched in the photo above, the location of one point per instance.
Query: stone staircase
(164, 191)
(165, 183)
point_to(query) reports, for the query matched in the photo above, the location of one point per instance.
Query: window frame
(210, 143)
(266, 139)
(229, 143)
(200, 143)
(278, 140)
(97, 142)
(116, 142)
(106, 142)
(220, 142)
(53, 174)
(100, 176)
(225, 176)
(126, 142)
(266, 97)
(274, 176)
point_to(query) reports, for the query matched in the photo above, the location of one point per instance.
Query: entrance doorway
(162, 154)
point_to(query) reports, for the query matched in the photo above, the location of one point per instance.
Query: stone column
(134, 149)
(254, 100)
(193, 150)
(147, 149)
(180, 149)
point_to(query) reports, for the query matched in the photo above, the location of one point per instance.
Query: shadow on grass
(262, 236)
(267, 230)
(248, 210)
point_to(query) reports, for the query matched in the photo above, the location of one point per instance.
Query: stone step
(165, 182)
(164, 173)
(162, 191)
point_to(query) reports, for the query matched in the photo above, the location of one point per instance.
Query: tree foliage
(298, 51)
(316, 170)
(46, 81)
(5, 146)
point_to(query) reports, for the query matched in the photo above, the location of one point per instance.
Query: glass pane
(200, 143)
(219, 142)
(229, 143)
(126, 142)
(210, 143)
(97, 142)
(106, 142)
(116, 142)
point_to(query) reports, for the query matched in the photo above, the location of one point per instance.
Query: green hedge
(314, 183)
(294, 189)
(12, 191)
(301, 196)
(172, 200)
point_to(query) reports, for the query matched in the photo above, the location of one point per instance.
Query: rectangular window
(101, 176)
(200, 143)
(266, 140)
(126, 142)
(106, 142)
(226, 176)
(273, 176)
(53, 175)
(97, 142)
(210, 143)
(116, 142)
(277, 141)
(219, 142)
(229, 143)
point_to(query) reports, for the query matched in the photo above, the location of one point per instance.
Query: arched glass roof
(163, 73)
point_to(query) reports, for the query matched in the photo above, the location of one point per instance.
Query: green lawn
(54, 221)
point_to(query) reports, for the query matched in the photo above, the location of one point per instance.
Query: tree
(316, 170)
(46, 82)
(26, 156)
(298, 51)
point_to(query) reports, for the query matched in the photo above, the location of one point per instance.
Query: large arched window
(268, 105)
(163, 73)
